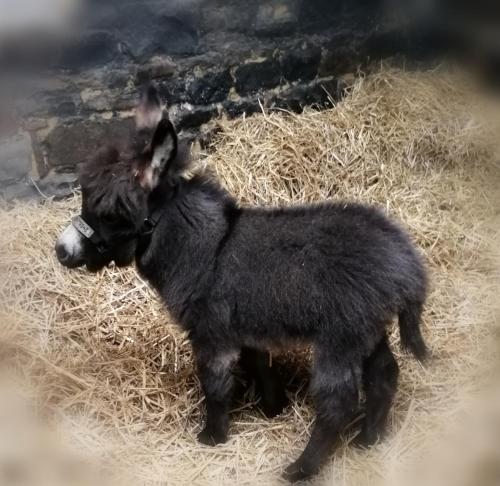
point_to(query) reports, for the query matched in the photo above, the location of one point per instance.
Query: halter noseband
(88, 232)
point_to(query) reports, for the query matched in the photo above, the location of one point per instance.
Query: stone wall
(209, 58)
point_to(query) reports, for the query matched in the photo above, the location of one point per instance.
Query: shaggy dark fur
(243, 278)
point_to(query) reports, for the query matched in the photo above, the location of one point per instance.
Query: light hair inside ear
(148, 178)
(162, 153)
(148, 116)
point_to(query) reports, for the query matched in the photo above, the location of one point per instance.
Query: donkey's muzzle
(62, 255)
(66, 258)
(69, 248)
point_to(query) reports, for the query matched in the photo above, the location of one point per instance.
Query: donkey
(241, 280)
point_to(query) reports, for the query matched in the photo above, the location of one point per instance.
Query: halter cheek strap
(156, 209)
(147, 230)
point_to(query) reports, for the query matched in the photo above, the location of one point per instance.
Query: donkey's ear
(149, 112)
(160, 157)
(163, 146)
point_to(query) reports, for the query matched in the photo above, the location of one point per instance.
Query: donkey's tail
(409, 330)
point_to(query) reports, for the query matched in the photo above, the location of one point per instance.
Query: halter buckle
(148, 227)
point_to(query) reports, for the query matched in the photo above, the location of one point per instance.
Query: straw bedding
(101, 355)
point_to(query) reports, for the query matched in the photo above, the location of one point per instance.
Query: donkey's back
(312, 271)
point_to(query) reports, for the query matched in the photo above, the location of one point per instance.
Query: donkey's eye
(115, 222)
(108, 219)
(112, 221)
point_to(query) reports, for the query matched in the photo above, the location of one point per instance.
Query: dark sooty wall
(208, 57)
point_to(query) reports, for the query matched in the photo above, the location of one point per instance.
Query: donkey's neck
(186, 242)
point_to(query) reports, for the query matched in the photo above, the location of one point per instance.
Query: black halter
(149, 224)
(156, 208)
(145, 232)
(90, 233)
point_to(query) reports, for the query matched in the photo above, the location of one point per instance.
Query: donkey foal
(246, 278)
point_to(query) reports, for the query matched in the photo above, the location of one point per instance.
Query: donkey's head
(116, 185)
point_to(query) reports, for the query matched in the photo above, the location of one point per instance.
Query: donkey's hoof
(212, 437)
(298, 471)
(365, 439)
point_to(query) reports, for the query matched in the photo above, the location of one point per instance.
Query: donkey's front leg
(215, 372)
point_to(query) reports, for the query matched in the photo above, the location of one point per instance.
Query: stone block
(15, 157)
(157, 67)
(58, 184)
(247, 107)
(210, 87)
(114, 77)
(173, 90)
(257, 75)
(340, 59)
(317, 93)
(187, 117)
(21, 191)
(68, 145)
(101, 100)
(63, 106)
(276, 18)
(300, 64)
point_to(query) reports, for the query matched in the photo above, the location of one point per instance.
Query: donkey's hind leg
(380, 381)
(335, 392)
(268, 382)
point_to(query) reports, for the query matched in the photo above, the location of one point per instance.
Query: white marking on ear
(162, 153)
(71, 241)
(150, 111)
(148, 117)
(149, 178)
